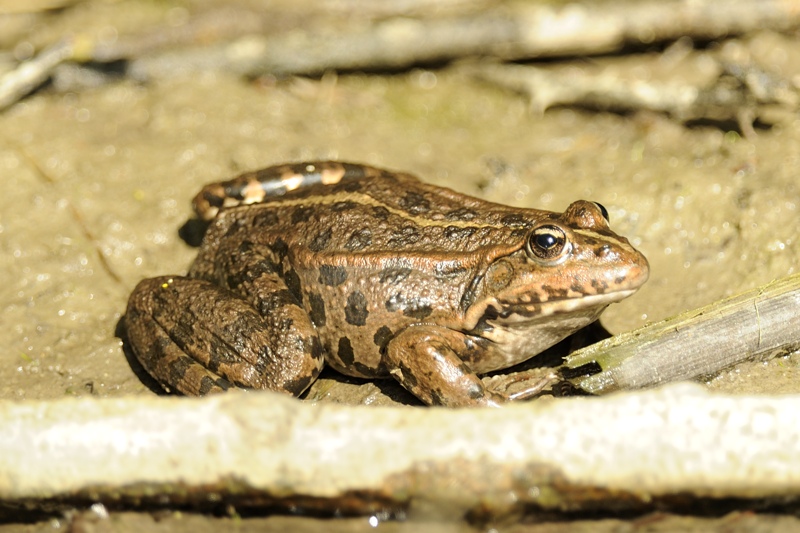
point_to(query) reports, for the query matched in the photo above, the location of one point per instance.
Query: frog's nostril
(605, 250)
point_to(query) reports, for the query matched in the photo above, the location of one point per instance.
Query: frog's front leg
(427, 360)
(196, 337)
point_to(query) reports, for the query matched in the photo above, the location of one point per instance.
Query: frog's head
(568, 268)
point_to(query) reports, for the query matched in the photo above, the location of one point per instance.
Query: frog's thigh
(424, 359)
(196, 337)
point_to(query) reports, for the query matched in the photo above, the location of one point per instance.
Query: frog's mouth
(523, 309)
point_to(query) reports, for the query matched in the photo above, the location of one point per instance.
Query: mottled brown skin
(378, 274)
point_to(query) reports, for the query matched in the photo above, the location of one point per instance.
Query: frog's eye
(547, 244)
(603, 210)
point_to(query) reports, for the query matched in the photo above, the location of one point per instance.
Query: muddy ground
(98, 182)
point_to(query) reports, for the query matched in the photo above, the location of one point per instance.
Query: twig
(758, 324)
(525, 30)
(737, 93)
(30, 74)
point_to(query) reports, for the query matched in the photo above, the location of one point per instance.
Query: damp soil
(97, 184)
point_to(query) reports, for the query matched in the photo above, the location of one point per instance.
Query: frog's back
(368, 210)
(371, 251)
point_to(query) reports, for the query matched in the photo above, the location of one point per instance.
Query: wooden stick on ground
(758, 324)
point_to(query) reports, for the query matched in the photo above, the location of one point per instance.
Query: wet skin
(376, 274)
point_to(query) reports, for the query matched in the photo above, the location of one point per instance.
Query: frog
(376, 274)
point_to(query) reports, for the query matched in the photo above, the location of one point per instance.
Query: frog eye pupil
(547, 243)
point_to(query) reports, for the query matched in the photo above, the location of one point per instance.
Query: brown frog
(377, 274)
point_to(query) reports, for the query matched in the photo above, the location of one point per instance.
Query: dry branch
(757, 324)
(512, 32)
(29, 75)
(737, 94)
(624, 451)
(245, 42)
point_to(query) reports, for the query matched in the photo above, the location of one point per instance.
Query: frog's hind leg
(255, 187)
(196, 337)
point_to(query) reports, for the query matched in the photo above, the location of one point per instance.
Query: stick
(758, 324)
(627, 451)
(526, 30)
(30, 74)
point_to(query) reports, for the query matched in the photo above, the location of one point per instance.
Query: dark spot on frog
(293, 283)
(275, 300)
(331, 275)
(317, 309)
(343, 206)
(302, 214)
(359, 239)
(417, 309)
(382, 337)
(214, 200)
(414, 203)
(380, 212)
(513, 219)
(265, 217)
(279, 248)
(600, 286)
(207, 384)
(364, 369)
(393, 275)
(409, 380)
(355, 312)
(555, 293)
(178, 369)
(407, 235)
(620, 280)
(316, 352)
(457, 233)
(298, 385)
(236, 279)
(436, 397)
(301, 383)
(576, 287)
(181, 333)
(321, 240)
(345, 352)
(462, 214)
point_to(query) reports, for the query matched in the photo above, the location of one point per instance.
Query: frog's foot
(522, 385)
(195, 337)
(424, 359)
